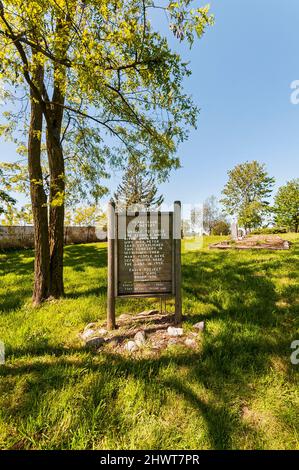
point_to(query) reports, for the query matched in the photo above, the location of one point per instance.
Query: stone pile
(148, 331)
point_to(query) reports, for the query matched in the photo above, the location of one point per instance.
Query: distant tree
(15, 216)
(87, 216)
(211, 213)
(286, 205)
(246, 193)
(68, 217)
(138, 187)
(251, 215)
(221, 227)
(207, 216)
(186, 228)
(196, 221)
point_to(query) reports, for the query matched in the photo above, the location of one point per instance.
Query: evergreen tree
(138, 187)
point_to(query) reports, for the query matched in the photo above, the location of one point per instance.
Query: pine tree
(137, 187)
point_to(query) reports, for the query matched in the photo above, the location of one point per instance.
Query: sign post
(144, 257)
(111, 271)
(177, 253)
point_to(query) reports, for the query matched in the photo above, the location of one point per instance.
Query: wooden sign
(144, 257)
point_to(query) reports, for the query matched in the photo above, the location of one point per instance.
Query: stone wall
(23, 236)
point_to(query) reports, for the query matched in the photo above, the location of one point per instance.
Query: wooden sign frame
(113, 265)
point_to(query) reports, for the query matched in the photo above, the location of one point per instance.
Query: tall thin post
(177, 261)
(111, 267)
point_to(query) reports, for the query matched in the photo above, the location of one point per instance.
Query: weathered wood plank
(177, 251)
(111, 269)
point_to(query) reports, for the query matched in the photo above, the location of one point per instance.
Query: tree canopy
(286, 205)
(103, 86)
(246, 193)
(118, 75)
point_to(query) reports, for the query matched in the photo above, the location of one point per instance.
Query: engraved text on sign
(145, 255)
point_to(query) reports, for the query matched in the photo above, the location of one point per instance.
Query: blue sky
(241, 75)
(242, 71)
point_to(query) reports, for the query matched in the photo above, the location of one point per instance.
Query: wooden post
(111, 267)
(177, 261)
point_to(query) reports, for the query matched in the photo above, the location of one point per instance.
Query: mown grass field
(239, 391)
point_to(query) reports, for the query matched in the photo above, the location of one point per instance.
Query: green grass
(239, 391)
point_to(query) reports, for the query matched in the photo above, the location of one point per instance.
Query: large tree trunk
(38, 199)
(57, 193)
(56, 161)
(56, 225)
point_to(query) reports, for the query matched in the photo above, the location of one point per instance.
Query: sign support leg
(177, 260)
(111, 270)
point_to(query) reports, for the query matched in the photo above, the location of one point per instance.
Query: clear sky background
(242, 70)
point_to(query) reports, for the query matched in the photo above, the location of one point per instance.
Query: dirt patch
(254, 242)
(153, 327)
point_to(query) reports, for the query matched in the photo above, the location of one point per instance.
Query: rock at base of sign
(191, 343)
(147, 313)
(131, 346)
(113, 343)
(87, 333)
(94, 343)
(125, 316)
(172, 331)
(200, 326)
(140, 338)
(102, 331)
(90, 326)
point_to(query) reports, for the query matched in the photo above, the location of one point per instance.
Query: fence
(23, 236)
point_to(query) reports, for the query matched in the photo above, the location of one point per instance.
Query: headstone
(234, 231)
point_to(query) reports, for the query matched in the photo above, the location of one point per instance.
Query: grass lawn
(239, 391)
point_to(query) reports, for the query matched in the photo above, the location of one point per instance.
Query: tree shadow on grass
(101, 290)
(239, 290)
(214, 380)
(81, 257)
(20, 264)
(214, 383)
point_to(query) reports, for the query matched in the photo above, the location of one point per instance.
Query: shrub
(221, 228)
(269, 230)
